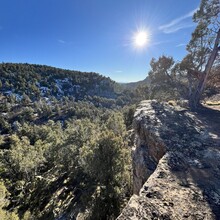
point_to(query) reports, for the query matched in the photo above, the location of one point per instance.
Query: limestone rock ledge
(176, 166)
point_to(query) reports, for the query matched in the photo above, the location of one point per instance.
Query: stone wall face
(176, 166)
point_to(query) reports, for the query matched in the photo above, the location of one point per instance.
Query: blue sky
(94, 35)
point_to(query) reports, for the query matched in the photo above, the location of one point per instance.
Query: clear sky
(95, 35)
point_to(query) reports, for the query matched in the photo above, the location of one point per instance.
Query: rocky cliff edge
(176, 165)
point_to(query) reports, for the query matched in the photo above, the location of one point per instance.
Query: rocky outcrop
(176, 165)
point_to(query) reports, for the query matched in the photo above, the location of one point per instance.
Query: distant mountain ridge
(134, 85)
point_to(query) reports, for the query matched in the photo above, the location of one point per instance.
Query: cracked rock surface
(176, 165)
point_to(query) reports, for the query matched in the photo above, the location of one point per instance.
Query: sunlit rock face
(176, 166)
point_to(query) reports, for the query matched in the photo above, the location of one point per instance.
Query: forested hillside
(65, 146)
(43, 81)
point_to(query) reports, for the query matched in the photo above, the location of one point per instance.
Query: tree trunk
(196, 96)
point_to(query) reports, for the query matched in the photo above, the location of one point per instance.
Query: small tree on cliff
(203, 48)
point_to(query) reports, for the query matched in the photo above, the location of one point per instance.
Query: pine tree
(203, 47)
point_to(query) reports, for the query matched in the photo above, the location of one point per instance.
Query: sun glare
(141, 39)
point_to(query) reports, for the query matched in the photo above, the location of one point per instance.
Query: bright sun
(141, 38)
